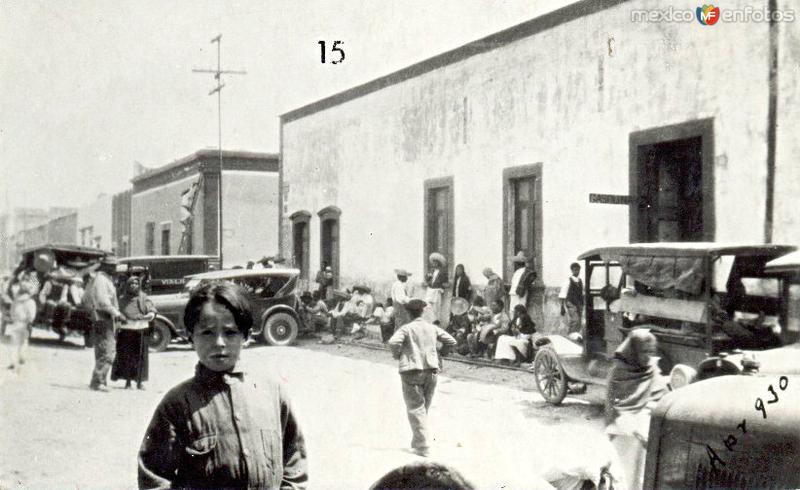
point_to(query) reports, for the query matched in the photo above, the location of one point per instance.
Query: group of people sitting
(487, 331)
(349, 312)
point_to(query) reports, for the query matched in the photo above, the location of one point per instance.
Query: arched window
(329, 220)
(300, 241)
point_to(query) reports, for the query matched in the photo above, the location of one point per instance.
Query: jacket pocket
(202, 446)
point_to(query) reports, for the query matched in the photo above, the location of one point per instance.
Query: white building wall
(250, 220)
(540, 99)
(97, 216)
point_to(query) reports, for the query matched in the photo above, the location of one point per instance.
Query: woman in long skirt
(131, 362)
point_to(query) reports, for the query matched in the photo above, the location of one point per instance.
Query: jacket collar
(209, 377)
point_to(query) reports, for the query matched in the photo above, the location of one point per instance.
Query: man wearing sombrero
(435, 280)
(521, 282)
(400, 298)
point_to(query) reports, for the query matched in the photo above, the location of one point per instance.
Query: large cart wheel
(159, 337)
(280, 329)
(550, 377)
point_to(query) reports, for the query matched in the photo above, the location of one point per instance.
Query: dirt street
(56, 433)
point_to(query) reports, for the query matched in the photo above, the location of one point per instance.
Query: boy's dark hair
(574, 265)
(520, 310)
(498, 302)
(478, 301)
(226, 294)
(423, 474)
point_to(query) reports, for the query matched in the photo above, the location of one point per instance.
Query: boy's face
(217, 340)
(575, 270)
(496, 307)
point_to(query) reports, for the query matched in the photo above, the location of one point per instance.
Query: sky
(87, 88)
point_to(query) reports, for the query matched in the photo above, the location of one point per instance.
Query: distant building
(121, 223)
(62, 230)
(174, 208)
(584, 127)
(94, 223)
(27, 227)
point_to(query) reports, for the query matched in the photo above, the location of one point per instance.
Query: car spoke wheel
(159, 337)
(280, 329)
(551, 381)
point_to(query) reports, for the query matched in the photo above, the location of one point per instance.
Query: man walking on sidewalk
(100, 299)
(414, 344)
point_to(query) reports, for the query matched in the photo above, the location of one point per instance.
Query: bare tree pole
(218, 90)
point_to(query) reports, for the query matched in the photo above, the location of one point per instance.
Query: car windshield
(258, 286)
(191, 284)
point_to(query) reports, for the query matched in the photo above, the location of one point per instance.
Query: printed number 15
(334, 49)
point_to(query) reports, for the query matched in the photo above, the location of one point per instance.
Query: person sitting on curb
(483, 342)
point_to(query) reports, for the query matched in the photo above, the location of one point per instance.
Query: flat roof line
(499, 39)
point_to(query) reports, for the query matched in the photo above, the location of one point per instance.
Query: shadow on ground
(68, 343)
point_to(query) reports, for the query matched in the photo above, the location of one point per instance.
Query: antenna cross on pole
(218, 90)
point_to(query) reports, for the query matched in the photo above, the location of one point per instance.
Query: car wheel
(159, 337)
(280, 329)
(550, 377)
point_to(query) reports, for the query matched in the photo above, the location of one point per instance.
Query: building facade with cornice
(174, 209)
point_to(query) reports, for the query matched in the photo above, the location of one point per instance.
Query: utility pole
(218, 90)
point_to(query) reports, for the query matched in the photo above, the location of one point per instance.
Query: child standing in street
(223, 428)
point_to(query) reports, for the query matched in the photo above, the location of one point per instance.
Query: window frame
(331, 213)
(150, 238)
(510, 176)
(430, 186)
(297, 218)
(165, 227)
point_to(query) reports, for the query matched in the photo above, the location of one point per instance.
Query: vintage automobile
(58, 265)
(728, 432)
(163, 274)
(710, 305)
(272, 296)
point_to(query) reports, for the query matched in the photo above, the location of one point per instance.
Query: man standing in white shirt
(571, 296)
(514, 298)
(400, 298)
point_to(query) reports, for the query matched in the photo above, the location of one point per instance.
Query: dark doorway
(672, 184)
(670, 191)
(301, 246)
(329, 239)
(301, 221)
(330, 245)
(439, 226)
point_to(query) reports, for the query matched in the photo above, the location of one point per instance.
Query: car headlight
(681, 375)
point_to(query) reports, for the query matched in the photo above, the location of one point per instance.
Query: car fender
(169, 324)
(278, 309)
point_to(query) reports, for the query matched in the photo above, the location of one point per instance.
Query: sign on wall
(610, 198)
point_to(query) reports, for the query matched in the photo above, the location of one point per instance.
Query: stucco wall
(250, 218)
(160, 204)
(568, 97)
(97, 215)
(63, 229)
(787, 161)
